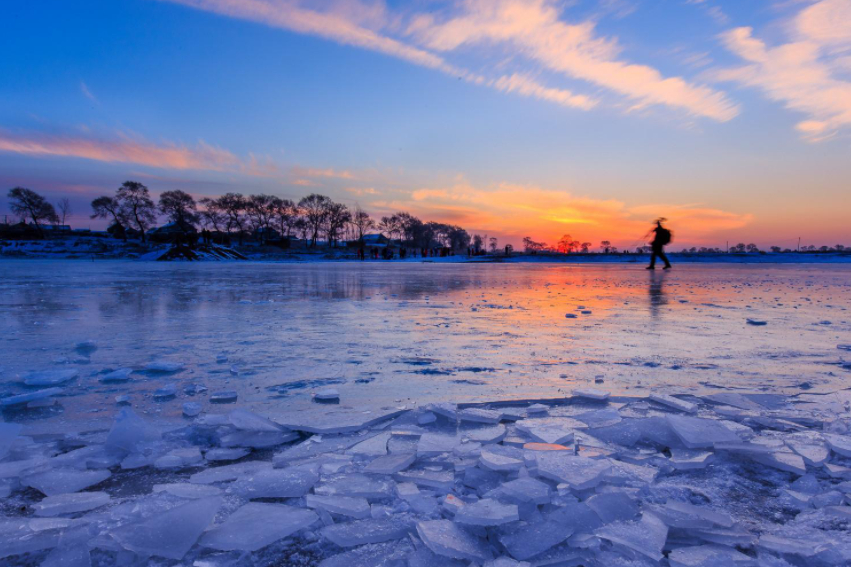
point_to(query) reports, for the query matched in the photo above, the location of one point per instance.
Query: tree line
(311, 218)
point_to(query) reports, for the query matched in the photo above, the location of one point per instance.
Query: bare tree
(606, 246)
(210, 215)
(109, 207)
(179, 207)
(494, 244)
(232, 206)
(260, 210)
(136, 205)
(315, 210)
(27, 203)
(338, 217)
(362, 222)
(285, 216)
(64, 206)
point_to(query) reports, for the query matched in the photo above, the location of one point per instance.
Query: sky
(510, 118)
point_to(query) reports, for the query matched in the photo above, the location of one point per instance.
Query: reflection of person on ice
(660, 240)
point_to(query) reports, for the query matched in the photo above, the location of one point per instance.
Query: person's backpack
(664, 236)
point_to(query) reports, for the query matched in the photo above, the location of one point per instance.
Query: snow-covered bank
(726, 479)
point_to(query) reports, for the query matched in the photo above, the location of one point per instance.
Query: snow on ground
(259, 414)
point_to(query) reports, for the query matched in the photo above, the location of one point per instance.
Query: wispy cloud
(84, 88)
(808, 74)
(328, 172)
(126, 149)
(533, 28)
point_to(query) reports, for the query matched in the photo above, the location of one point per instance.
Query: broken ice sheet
(646, 536)
(70, 503)
(169, 534)
(360, 532)
(256, 525)
(487, 512)
(292, 482)
(447, 539)
(61, 481)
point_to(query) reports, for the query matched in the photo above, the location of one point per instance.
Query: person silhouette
(660, 240)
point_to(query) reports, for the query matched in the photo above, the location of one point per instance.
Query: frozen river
(393, 335)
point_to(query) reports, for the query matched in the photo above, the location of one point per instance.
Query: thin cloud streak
(124, 149)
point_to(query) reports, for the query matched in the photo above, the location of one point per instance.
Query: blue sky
(510, 117)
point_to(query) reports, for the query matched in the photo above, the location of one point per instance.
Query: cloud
(300, 171)
(805, 74)
(533, 29)
(362, 190)
(547, 214)
(126, 149)
(84, 88)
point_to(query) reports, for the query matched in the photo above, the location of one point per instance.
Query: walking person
(661, 239)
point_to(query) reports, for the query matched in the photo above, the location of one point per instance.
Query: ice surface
(327, 394)
(531, 539)
(188, 490)
(487, 512)
(61, 481)
(684, 515)
(495, 461)
(591, 394)
(646, 536)
(256, 525)
(580, 473)
(674, 403)
(19, 399)
(432, 444)
(356, 485)
(839, 444)
(557, 430)
(246, 420)
(479, 415)
(216, 455)
(70, 503)
(169, 534)
(708, 556)
(291, 482)
(441, 480)
(697, 433)
(391, 464)
(223, 397)
(50, 377)
(613, 506)
(357, 508)
(526, 490)
(191, 409)
(447, 539)
(360, 532)
(375, 446)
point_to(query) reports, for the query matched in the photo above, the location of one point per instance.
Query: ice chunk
(447, 539)
(613, 507)
(580, 473)
(179, 458)
(537, 410)
(171, 533)
(684, 515)
(441, 480)
(545, 447)
(75, 554)
(498, 461)
(70, 503)
(258, 439)
(556, 430)
(327, 395)
(120, 375)
(61, 481)
(223, 397)
(426, 418)
(227, 473)
(447, 410)
(292, 482)
(375, 446)
(360, 532)
(191, 409)
(8, 434)
(29, 397)
(782, 460)
(532, 539)
(487, 512)
(591, 394)
(256, 525)
(526, 491)
(391, 464)
(215, 455)
(646, 536)
(480, 415)
(432, 444)
(813, 454)
(506, 562)
(698, 433)
(486, 435)
(246, 420)
(50, 377)
(188, 490)
(356, 485)
(686, 459)
(839, 444)
(388, 554)
(167, 391)
(673, 403)
(708, 556)
(785, 545)
(163, 367)
(357, 508)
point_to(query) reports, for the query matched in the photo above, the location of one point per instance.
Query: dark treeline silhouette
(266, 218)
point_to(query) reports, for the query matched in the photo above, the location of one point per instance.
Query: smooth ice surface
(256, 525)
